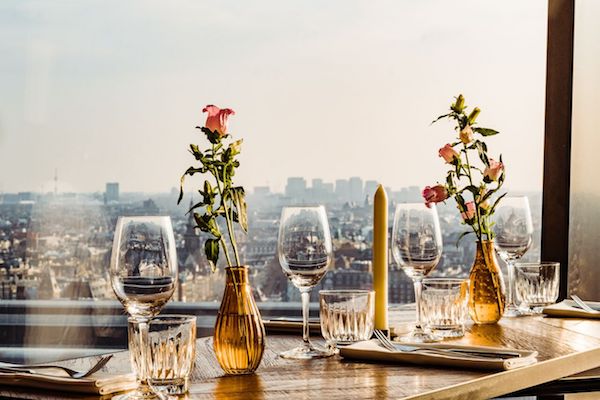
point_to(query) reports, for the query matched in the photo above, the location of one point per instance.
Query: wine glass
(143, 271)
(305, 251)
(417, 248)
(513, 232)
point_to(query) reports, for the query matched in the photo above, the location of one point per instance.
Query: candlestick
(380, 258)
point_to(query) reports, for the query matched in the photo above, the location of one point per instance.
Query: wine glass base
(418, 337)
(307, 353)
(513, 312)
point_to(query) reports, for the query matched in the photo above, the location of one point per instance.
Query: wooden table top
(565, 347)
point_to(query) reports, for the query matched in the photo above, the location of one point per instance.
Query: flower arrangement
(464, 178)
(220, 199)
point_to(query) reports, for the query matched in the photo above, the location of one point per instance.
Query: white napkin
(371, 350)
(566, 308)
(98, 383)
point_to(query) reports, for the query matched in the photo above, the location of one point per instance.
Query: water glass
(537, 285)
(346, 315)
(444, 306)
(169, 356)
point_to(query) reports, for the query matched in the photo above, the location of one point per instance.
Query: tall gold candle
(380, 258)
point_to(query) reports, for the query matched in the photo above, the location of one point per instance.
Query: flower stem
(477, 232)
(223, 243)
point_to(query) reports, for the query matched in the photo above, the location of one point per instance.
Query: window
(584, 216)
(99, 103)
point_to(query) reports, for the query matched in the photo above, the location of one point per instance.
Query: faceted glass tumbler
(346, 315)
(536, 285)
(170, 348)
(444, 306)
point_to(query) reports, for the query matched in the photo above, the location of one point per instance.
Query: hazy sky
(111, 91)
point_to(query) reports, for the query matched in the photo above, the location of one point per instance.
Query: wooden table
(565, 346)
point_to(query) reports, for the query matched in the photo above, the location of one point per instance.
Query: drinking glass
(444, 305)
(305, 252)
(143, 271)
(536, 285)
(170, 351)
(513, 232)
(346, 315)
(417, 248)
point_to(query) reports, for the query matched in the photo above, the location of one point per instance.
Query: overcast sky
(111, 90)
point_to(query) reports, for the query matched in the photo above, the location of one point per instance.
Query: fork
(478, 354)
(7, 367)
(583, 304)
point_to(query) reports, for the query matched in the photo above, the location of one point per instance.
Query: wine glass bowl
(143, 264)
(417, 249)
(513, 235)
(305, 252)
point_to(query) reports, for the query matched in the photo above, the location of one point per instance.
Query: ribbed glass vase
(239, 339)
(486, 286)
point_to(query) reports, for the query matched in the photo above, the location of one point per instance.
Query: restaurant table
(565, 347)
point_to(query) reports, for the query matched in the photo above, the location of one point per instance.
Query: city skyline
(126, 110)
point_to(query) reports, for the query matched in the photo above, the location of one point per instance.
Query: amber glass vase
(239, 340)
(486, 286)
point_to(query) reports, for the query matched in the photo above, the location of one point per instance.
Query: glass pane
(584, 229)
(100, 100)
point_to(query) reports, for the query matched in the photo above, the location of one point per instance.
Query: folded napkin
(371, 350)
(568, 308)
(99, 383)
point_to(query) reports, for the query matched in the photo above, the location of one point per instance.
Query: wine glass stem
(510, 266)
(305, 293)
(417, 284)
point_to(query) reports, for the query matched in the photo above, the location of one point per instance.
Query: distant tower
(191, 236)
(55, 181)
(111, 194)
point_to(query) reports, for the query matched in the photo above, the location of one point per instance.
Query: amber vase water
(486, 286)
(239, 339)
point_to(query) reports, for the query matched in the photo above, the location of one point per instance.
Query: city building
(111, 195)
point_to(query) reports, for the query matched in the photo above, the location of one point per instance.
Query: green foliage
(221, 200)
(462, 176)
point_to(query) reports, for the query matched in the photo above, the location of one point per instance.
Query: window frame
(557, 137)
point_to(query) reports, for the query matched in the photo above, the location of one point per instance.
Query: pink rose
(466, 134)
(448, 153)
(217, 118)
(469, 213)
(493, 172)
(434, 194)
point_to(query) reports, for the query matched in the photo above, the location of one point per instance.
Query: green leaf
(462, 235)
(481, 150)
(473, 189)
(485, 131)
(192, 208)
(190, 171)
(213, 136)
(440, 117)
(207, 223)
(238, 197)
(235, 147)
(196, 152)
(208, 193)
(211, 249)
(493, 208)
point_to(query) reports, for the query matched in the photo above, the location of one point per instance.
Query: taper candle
(380, 258)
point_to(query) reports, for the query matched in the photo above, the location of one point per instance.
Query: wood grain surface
(565, 347)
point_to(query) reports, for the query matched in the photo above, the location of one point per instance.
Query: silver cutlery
(471, 353)
(31, 369)
(583, 304)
